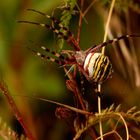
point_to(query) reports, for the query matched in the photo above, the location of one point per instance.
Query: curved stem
(125, 124)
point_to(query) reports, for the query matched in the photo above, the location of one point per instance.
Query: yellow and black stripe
(98, 67)
(102, 69)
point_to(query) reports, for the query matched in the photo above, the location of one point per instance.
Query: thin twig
(81, 111)
(99, 111)
(109, 133)
(107, 24)
(89, 7)
(117, 123)
(103, 51)
(80, 22)
(16, 112)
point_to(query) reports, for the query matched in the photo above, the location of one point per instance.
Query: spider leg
(47, 26)
(70, 69)
(58, 55)
(82, 83)
(69, 60)
(59, 58)
(70, 38)
(96, 47)
(53, 19)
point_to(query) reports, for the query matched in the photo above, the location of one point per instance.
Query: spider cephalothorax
(95, 66)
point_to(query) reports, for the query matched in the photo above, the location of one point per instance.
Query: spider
(95, 66)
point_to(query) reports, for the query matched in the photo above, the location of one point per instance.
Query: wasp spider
(95, 66)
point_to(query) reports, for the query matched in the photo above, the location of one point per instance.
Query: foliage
(6, 133)
(111, 114)
(66, 15)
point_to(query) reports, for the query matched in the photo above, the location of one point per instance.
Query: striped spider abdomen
(98, 67)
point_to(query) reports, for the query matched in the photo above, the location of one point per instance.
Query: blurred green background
(26, 74)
